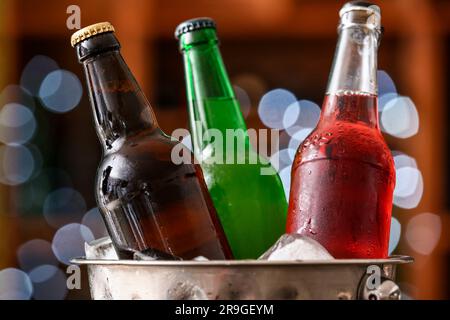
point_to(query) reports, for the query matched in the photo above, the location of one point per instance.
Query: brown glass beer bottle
(148, 202)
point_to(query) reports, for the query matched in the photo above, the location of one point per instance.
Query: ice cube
(296, 247)
(101, 249)
(186, 291)
(153, 254)
(200, 258)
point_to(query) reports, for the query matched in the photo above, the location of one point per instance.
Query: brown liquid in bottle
(147, 201)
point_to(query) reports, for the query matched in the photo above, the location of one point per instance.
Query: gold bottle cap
(90, 31)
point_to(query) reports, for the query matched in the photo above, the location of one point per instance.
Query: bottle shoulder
(146, 156)
(346, 140)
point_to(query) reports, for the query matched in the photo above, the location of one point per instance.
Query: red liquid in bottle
(343, 179)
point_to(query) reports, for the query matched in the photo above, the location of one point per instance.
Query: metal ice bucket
(243, 279)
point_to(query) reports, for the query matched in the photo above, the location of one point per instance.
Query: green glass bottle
(252, 206)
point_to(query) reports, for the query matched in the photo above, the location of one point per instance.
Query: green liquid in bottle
(251, 204)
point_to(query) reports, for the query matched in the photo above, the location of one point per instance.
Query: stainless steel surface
(387, 290)
(243, 279)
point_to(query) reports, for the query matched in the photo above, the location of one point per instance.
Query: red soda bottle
(343, 175)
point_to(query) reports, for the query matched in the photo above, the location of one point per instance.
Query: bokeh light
(16, 164)
(291, 115)
(253, 84)
(94, 221)
(42, 273)
(244, 100)
(16, 94)
(412, 200)
(409, 182)
(408, 290)
(35, 72)
(285, 176)
(63, 206)
(17, 124)
(402, 160)
(283, 139)
(385, 83)
(38, 159)
(273, 106)
(423, 232)
(35, 191)
(384, 99)
(68, 242)
(299, 137)
(49, 283)
(300, 115)
(15, 285)
(282, 159)
(51, 176)
(60, 91)
(34, 253)
(396, 230)
(400, 118)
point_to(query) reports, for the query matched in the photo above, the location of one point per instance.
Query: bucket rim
(392, 260)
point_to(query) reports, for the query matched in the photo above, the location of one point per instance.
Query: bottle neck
(211, 99)
(352, 86)
(206, 76)
(119, 105)
(355, 61)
